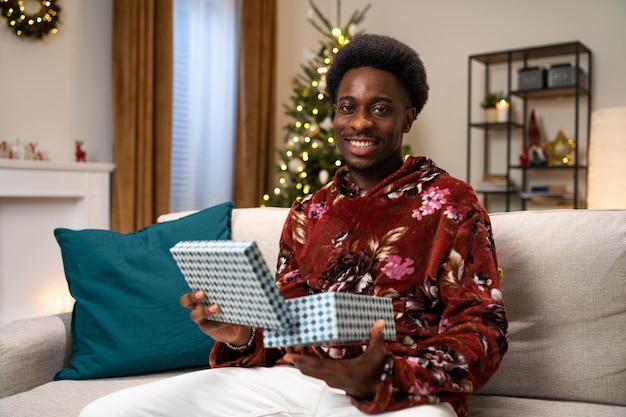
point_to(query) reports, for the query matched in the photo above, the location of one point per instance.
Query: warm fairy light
(298, 124)
(307, 139)
(307, 189)
(338, 163)
(63, 304)
(307, 125)
(336, 32)
(327, 61)
(305, 156)
(289, 154)
(283, 167)
(320, 96)
(330, 139)
(282, 180)
(299, 107)
(314, 83)
(315, 111)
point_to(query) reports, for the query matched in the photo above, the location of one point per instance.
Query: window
(204, 103)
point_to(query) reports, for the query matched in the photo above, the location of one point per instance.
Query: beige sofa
(565, 294)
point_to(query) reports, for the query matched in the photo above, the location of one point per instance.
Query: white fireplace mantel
(24, 178)
(35, 198)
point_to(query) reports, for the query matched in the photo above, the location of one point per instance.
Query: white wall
(445, 33)
(57, 89)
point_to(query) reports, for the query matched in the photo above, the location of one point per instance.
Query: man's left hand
(358, 376)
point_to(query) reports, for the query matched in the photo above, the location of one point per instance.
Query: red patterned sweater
(422, 238)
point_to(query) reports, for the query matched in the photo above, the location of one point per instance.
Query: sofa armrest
(32, 351)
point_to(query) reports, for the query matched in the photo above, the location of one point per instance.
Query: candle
(502, 107)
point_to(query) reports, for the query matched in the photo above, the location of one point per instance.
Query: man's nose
(361, 120)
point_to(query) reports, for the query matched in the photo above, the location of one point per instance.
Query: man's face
(371, 114)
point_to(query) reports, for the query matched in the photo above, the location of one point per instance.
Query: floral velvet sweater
(421, 238)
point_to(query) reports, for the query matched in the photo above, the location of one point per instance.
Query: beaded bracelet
(247, 344)
(388, 368)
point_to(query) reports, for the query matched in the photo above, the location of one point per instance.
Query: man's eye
(380, 109)
(346, 108)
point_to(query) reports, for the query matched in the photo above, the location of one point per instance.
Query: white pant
(280, 391)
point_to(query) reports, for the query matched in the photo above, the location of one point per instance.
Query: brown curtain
(142, 111)
(254, 149)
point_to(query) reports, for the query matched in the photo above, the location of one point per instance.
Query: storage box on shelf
(567, 85)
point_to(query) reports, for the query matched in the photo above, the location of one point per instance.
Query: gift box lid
(233, 275)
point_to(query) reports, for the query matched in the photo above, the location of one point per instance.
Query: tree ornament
(31, 25)
(314, 130)
(296, 165)
(324, 176)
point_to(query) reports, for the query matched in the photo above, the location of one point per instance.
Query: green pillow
(127, 318)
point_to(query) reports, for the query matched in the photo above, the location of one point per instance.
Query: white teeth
(362, 143)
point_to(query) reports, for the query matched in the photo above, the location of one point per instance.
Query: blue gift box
(332, 318)
(233, 274)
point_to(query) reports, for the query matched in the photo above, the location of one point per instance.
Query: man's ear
(409, 117)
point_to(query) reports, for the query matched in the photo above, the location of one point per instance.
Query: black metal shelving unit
(575, 94)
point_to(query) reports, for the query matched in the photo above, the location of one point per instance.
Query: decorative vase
(491, 115)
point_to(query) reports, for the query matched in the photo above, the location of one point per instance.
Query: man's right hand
(235, 334)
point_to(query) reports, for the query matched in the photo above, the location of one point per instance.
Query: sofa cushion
(127, 318)
(68, 397)
(564, 290)
(494, 406)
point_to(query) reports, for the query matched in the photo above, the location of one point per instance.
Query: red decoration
(536, 153)
(81, 155)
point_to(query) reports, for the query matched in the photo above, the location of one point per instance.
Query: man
(383, 227)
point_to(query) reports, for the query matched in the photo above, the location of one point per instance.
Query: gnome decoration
(536, 153)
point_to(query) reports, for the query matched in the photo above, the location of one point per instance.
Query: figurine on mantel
(22, 151)
(81, 155)
(33, 153)
(6, 151)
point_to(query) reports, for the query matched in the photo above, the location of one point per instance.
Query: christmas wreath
(33, 25)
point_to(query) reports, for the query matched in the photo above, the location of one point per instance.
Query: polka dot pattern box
(233, 274)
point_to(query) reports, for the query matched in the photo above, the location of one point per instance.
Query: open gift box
(234, 276)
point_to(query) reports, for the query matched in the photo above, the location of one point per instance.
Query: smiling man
(383, 227)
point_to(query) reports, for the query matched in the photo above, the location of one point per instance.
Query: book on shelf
(548, 188)
(494, 183)
(549, 203)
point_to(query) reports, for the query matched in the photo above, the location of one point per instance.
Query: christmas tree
(310, 157)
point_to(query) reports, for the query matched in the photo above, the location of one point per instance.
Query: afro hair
(384, 53)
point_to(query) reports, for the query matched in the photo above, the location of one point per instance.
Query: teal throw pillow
(127, 318)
